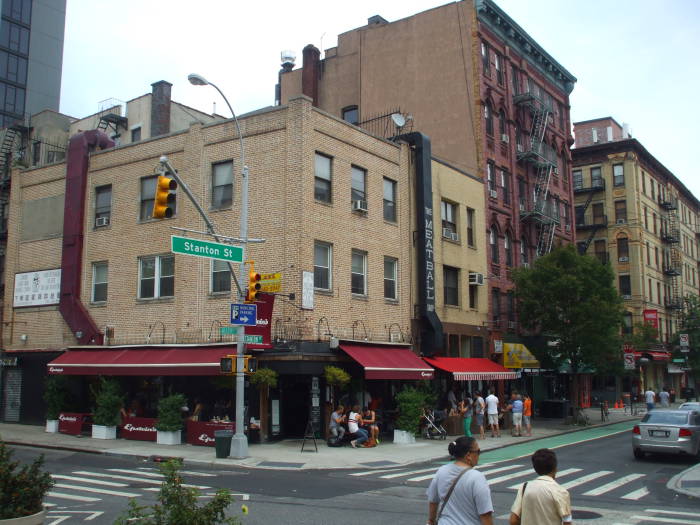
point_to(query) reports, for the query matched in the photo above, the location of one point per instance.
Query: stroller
(433, 428)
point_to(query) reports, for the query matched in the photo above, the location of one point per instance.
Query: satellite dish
(398, 119)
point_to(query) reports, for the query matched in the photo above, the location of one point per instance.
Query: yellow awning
(516, 355)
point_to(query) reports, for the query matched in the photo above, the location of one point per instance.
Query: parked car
(690, 405)
(667, 431)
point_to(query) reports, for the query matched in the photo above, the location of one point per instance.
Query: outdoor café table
(202, 432)
(72, 422)
(138, 428)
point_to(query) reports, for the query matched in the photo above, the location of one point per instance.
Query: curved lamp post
(239, 443)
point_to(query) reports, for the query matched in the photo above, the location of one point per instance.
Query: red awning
(388, 362)
(656, 356)
(472, 368)
(139, 361)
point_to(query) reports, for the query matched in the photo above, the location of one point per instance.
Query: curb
(674, 483)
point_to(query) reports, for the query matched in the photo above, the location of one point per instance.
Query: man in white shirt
(650, 397)
(542, 501)
(492, 412)
(665, 398)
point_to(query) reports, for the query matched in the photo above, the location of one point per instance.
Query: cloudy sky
(635, 60)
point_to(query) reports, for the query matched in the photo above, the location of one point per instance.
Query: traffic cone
(616, 405)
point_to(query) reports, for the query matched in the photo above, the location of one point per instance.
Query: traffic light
(253, 285)
(250, 364)
(226, 364)
(164, 201)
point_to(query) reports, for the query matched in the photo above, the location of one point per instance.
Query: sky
(635, 60)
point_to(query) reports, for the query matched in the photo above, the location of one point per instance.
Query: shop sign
(8, 361)
(139, 428)
(307, 290)
(271, 282)
(497, 346)
(37, 288)
(651, 317)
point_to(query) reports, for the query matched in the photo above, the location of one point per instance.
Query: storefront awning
(656, 356)
(516, 355)
(388, 362)
(139, 361)
(472, 368)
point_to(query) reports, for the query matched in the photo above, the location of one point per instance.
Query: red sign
(139, 428)
(202, 432)
(651, 317)
(266, 303)
(72, 423)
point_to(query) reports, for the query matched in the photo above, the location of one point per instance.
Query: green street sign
(253, 339)
(679, 360)
(228, 330)
(210, 250)
(233, 330)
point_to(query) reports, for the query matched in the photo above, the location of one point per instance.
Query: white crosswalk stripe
(134, 479)
(585, 479)
(665, 519)
(88, 480)
(637, 494)
(559, 475)
(613, 485)
(61, 495)
(127, 471)
(507, 477)
(378, 471)
(83, 488)
(500, 469)
(408, 473)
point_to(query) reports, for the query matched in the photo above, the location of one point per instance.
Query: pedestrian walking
(527, 413)
(665, 398)
(492, 412)
(479, 407)
(516, 410)
(650, 397)
(459, 494)
(466, 408)
(542, 501)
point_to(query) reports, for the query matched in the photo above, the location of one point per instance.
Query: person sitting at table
(354, 427)
(371, 426)
(335, 425)
(198, 411)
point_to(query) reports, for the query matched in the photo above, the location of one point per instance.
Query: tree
(689, 323)
(571, 298)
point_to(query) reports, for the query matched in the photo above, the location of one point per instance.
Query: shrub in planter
(170, 413)
(55, 396)
(264, 377)
(336, 377)
(410, 404)
(22, 490)
(108, 402)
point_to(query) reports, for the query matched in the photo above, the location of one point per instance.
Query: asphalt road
(608, 486)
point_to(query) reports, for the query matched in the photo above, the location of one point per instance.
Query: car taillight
(635, 430)
(684, 433)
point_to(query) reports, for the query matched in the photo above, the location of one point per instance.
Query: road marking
(500, 469)
(200, 474)
(637, 494)
(613, 485)
(519, 474)
(134, 479)
(244, 497)
(97, 491)
(585, 479)
(88, 480)
(430, 476)
(672, 512)
(408, 473)
(127, 471)
(61, 495)
(92, 514)
(559, 475)
(422, 478)
(666, 520)
(58, 519)
(370, 472)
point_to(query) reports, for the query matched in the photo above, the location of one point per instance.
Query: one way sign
(244, 314)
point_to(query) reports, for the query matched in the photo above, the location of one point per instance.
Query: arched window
(488, 116)
(493, 241)
(524, 256)
(508, 249)
(623, 251)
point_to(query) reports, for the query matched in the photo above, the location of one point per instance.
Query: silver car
(690, 405)
(667, 431)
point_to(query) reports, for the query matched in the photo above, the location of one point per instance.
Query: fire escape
(543, 159)
(673, 266)
(597, 184)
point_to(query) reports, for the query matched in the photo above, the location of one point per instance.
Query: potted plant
(22, 490)
(55, 397)
(335, 377)
(108, 402)
(410, 404)
(169, 423)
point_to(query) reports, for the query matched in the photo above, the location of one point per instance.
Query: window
(148, 193)
(502, 124)
(222, 185)
(627, 323)
(358, 281)
(99, 282)
(567, 216)
(577, 176)
(496, 304)
(36, 153)
(644, 183)
(473, 296)
(485, 61)
(493, 241)
(522, 193)
(646, 218)
(351, 114)
(656, 256)
(103, 205)
(156, 276)
(389, 200)
(508, 250)
(505, 183)
(322, 265)
(623, 252)
(653, 191)
(596, 178)
(499, 68)
(470, 227)
(136, 134)
(488, 117)
(600, 251)
(448, 212)
(390, 278)
(490, 172)
(648, 254)
(524, 257)
(451, 285)
(625, 285)
(220, 276)
(322, 178)
(618, 175)
(510, 305)
(19, 10)
(654, 221)
(358, 186)
(620, 212)
(515, 78)
(55, 156)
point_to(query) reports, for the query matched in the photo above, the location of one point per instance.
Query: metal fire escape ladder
(9, 136)
(676, 259)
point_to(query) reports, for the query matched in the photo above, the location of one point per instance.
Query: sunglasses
(477, 452)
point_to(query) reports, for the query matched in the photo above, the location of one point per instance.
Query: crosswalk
(628, 487)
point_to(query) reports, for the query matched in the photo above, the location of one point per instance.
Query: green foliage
(108, 401)
(410, 403)
(170, 413)
(55, 396)
(22, 490)
(572, 298)
(689, 323)
(336, 376)
(264, 377)
(178, 505)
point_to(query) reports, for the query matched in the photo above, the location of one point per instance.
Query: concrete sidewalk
(287, 454)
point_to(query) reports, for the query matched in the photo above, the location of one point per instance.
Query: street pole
(239, 443)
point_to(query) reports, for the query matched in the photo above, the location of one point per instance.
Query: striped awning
(472, 368)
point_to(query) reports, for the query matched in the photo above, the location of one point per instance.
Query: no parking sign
(629, 361)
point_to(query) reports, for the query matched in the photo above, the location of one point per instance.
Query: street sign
(228, 330)
(629, 361)
(270, 282)
(210, 250)
(683, 339)
(244, 314)
(252, 339)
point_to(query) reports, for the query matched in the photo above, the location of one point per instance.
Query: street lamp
(239, 443)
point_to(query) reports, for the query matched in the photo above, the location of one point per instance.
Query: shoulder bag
(449, 493)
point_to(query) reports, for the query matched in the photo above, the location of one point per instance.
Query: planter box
(52, 425)
(103, 432)
(401, 437)
(166, 437)
(34, 519)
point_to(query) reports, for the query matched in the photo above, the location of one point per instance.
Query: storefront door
(295, 401)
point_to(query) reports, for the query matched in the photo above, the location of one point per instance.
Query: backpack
(334, 442)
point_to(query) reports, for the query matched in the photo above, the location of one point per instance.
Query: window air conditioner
(476, 278)
(522, 206)
(505, 138)
(454, 236)
(519, 148)
(101, 221)
(447, 233)
(627, 297)
(359, 205)
(568, 227)
(526, 265)
(621, 221)
(623, 259)
(493, 194)
(556, 170)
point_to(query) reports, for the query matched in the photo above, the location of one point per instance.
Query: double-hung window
(148, 195)
(508, 250)
(493, 241)
(322, 178)
(351, 114)
(577, 176)
(103, 205)
(620, 212)
(505, 184)
(358, 186)
(220, 276)
(390, 278)
(222, 185)
(99, 282)
(618, 174)
(490, 174)
(389, 200)
(450, 285)
(623, 250)
(448, 213)
(358, 270)
(499, 68)
(323, 257)
(470, 227)
(485, 60)
(488, 117)
(156, 276)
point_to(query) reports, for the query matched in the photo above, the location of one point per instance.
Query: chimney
(160, 108)
(311, 72)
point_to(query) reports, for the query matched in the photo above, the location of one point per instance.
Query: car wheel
(638, 454)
